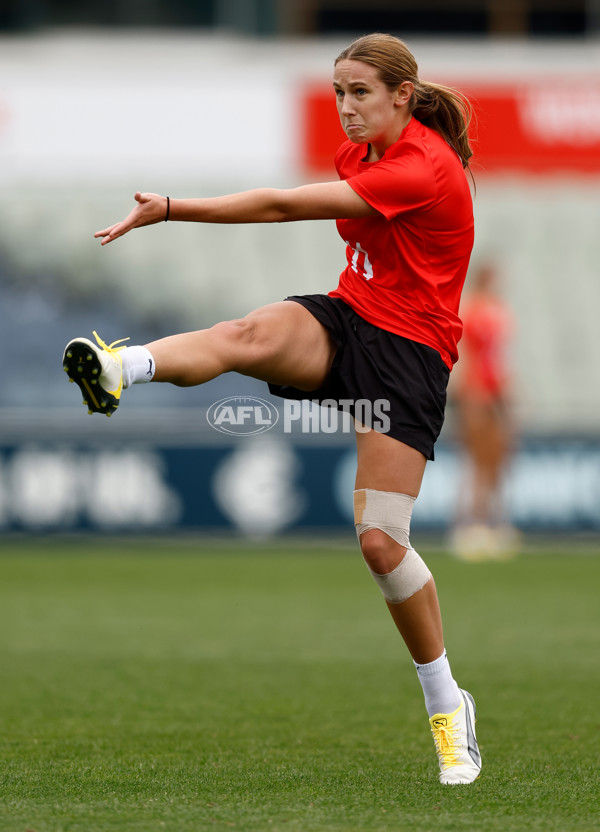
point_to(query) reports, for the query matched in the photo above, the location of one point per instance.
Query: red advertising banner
(538, 127)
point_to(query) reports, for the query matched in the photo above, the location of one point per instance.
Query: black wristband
(168, 209)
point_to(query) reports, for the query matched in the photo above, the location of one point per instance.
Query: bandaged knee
(390, 512)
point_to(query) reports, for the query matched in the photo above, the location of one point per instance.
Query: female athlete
(482, 393)
(388, 332)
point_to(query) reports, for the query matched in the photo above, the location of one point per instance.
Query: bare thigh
(281, 343)
(486, 435)
(289, 346)
(385, 464)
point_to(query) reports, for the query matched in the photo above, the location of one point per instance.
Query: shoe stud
(89, 356)
(79, 368)
(71, 380)
(90, 412)
(94, 381)
(65, 368)
(109, 413)
(69, 354)
(94, 371)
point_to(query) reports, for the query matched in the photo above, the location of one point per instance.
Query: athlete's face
(369, 111)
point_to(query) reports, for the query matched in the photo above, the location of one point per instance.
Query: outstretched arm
(320, 201)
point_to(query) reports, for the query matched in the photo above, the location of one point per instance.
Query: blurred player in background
(482, 392)
(387, 334)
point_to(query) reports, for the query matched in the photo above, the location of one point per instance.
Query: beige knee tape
(391, 512)
(408, 577)
(385, 510)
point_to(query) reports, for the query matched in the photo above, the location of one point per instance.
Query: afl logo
(242, 415)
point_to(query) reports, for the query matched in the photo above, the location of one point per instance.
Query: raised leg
(281, 343)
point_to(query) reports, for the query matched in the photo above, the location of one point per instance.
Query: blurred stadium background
(193, 98)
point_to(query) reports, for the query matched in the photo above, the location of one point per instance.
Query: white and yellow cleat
(455, 743)
(98, 370)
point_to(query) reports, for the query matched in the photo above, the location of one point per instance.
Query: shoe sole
(82, 365)
(471, 719)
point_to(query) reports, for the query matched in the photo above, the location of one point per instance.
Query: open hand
(150, 208)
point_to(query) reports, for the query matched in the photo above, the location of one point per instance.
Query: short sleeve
(400, 185)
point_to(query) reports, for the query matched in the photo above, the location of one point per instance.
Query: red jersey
(407, 265)
(488, 326)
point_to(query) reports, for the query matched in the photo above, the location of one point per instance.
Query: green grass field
(203, 686)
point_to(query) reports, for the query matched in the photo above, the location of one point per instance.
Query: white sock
(442, 694)
(138, 366)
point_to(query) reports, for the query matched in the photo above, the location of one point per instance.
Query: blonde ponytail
(446, 111)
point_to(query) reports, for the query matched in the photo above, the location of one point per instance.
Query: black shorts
(373, 365)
